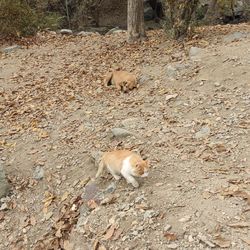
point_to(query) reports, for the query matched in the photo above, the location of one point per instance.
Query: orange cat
(125, 163)
(123, 80)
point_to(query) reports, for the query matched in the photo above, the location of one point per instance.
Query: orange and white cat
(123, 80)
(124, 163)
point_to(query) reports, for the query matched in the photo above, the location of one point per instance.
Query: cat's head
(141, 168)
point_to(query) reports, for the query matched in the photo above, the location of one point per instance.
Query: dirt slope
(189, 117)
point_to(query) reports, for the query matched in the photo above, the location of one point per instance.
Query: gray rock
(171, 71)
(66, 32)
(150, 214)
(114, 30)
(204, 132)
(148, 13)
(194, 53)
(167, 228)
(234, 37)
(120, 132)
(111, 188)
(38, 173)
(172, 246)
(4, 185)
(11, 49)
(132, 123)
(86, 33)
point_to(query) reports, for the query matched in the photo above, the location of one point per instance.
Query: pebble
(66, 32)
(185, 218)
(167, 228)
(38, 173)
(172, 246)
(120, 132)
(204, 132)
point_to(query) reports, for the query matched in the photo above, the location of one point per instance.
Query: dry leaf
(67, 245)
(92, 204)
(240, 224)
(102, 247)
(64, 196)
(117, 234)
(170, 236)
(32, 220)
(247, 240)
(169, 97)
(221, 242)
(1, 215)
(108, 200)
(96, 245)
(109, 232)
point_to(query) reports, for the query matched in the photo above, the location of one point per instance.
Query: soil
(190, 117)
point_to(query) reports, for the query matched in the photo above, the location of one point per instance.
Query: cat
(125, 163)
(123, 80)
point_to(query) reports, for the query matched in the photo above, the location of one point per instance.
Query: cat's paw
(117, 177)
(135, 184)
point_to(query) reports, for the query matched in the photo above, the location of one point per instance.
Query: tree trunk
(211, 12)
(180, 15)
(136, 27)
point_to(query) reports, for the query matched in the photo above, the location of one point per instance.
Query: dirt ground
(190, 117)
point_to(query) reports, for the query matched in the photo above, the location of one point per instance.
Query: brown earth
(190, 117)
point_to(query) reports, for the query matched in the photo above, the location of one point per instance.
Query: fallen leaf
(96, 245)
(64, 196)
(117, 234)
(221, 242)
(246, 240)
(48, 215)
(92, 204)
(169, 97)
(32, 220)
(102, 247)
(67, 245)
(109, 232)
(240, 224)
(108, 200)
(1, 215)
(170, 236)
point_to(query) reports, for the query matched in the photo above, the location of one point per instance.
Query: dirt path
(190, 118)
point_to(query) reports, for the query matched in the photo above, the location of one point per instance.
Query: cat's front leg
(130, 179)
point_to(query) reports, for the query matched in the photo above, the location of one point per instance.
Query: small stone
(150, 214)
(85, 33)
(217, 84)
(204, 132)
(234, 37)
(172, 246)
(4, 207)
(11, 49)
(194, 53)
(66, 32)
(38, 173)
(4, 185)
(120, 132)
(111, 188)
(185, 218)
(167, 228)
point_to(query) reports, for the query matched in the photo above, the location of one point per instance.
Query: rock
(38, 173)
(234, 37)
(185, 218)
(203, 239)
(115, 30)
(111, 188)
(133, 123)
(92, 192)
(204, 132)
(120, 132)
(148, 13)
(11, 49)
(4, 185)
(66, 32)
(3, 207)
(172, 246)
(167, 227)
(172, 71)
(150, 214)
(86, 33)
(194, 53)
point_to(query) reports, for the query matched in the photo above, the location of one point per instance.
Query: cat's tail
(100, 169)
